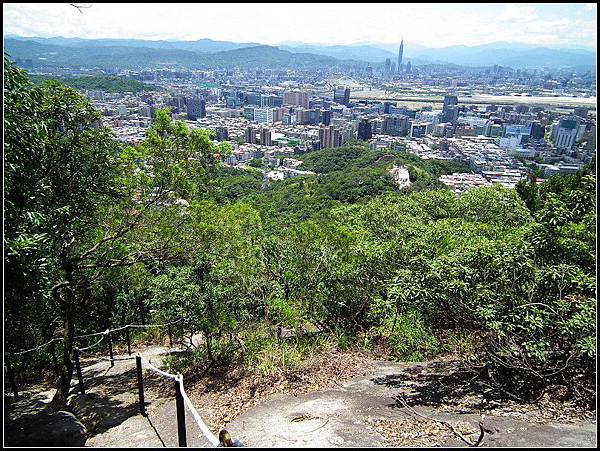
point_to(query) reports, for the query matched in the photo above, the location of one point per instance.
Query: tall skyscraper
(400, 52)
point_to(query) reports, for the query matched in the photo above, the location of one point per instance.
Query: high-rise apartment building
(196, 108)
(263, 115)
(341, 95)
(564, 133)
(364, 130)
(299, 98)
(250, 135)
(450, 109)
(326, 136)
(265, 136)
(222, 134)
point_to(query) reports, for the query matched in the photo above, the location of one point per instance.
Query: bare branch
(80, 7)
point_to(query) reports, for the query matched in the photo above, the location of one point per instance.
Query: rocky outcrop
(46, 428)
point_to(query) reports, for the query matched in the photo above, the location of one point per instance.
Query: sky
(430, 25)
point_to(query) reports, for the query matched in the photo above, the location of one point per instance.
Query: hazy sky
(432, 25)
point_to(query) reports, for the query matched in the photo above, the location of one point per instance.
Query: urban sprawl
(275, 115)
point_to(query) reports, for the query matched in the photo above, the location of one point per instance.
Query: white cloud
(434, 25)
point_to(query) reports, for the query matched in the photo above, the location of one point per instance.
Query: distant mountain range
(207, 53)
(128, 55)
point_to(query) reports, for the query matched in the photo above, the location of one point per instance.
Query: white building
(400, 175)
(263, 115)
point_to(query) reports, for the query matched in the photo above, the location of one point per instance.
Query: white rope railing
(96, 356)
(33, 349)
(212, 438)
(104, 335)
(201, 424)
(161, 372)
(137, 326)
(197, 418)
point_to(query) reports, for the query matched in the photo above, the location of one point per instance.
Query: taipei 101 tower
(399, 66)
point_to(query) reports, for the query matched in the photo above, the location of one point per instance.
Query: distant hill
(511, 55)
(108, 57)
(199, 46)
(105, 57)
(104, 83)
(206, 53)
(265, 56)
(359, 52)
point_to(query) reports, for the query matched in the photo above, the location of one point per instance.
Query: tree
(94, 204)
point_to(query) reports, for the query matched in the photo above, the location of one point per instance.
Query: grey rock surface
(46, 428)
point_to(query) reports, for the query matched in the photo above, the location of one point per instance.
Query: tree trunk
(66, 372)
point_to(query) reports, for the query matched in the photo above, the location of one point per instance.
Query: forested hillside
(105, 83)
(96, 235)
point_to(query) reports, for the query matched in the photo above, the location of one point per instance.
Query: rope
(155, 325)
(33, 349)
(161, 372)
(107, 331)
(119, 328)
(106, 359)
(203, 427)
(179, 379)
(104, 335)
(89, 335)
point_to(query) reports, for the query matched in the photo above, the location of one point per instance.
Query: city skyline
(555, 25)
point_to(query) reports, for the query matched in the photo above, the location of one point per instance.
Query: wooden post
(11, 376)
(54, 360)
(170, 336)
(128, 340)
(181, 432)
(140, 379)
(78, 368)
(110, 350)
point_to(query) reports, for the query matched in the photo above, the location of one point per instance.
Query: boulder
(46, 429)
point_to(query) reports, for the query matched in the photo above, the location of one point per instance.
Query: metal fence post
(54, 360)
(140, 379)
(181, 432)
(110, 350)
(128, 340)
(11, 376)
(78, 368)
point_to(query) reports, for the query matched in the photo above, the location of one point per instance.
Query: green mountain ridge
(107, 57)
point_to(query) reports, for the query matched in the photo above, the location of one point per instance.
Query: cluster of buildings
(273, 115)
